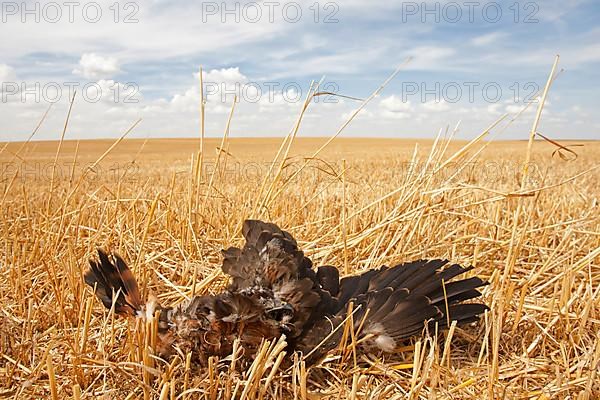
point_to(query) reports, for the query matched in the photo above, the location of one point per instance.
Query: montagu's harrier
(274, 290)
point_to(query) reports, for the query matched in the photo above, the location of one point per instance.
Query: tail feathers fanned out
(114, 283)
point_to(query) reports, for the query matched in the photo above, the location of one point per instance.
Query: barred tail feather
(114, 284)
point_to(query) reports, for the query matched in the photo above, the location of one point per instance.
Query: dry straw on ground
(534, 233)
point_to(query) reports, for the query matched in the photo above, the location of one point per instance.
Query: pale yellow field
(358, 204)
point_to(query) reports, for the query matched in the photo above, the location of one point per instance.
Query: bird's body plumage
(274, 290)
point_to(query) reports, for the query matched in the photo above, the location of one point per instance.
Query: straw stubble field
(360, 204)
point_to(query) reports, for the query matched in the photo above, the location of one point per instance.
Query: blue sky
(471, 63)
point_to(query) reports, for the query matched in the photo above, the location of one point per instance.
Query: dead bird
(274, 290)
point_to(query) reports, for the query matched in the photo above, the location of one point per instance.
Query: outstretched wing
(395, 303)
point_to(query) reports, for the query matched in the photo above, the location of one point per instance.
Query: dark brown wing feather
(329, 279)
(401, 300)
(112, 279)
(274, 272)
(270, 255)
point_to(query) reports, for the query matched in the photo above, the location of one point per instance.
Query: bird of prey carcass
(274, 290)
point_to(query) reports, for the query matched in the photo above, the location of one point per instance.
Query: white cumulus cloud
(8, 79)
(7, 73)
(393, 107)
(231, 75)
(436, 106)
(94, 66)
(395, 104)
(488, 38)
